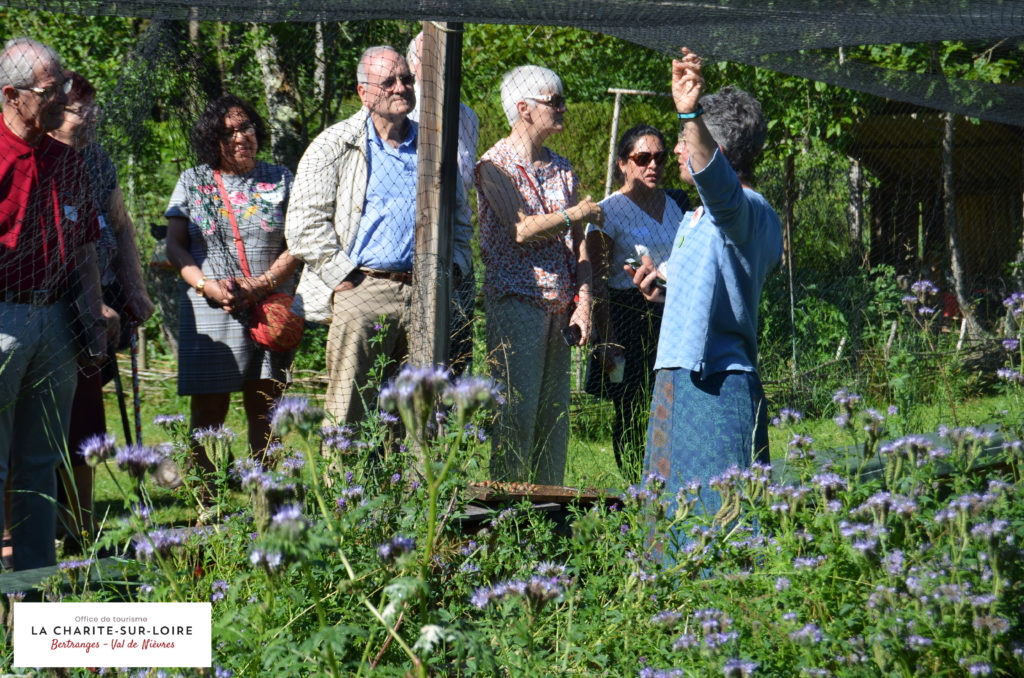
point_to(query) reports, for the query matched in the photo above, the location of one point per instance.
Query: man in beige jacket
(351, 219)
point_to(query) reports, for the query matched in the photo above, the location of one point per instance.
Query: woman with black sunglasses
(640, 219)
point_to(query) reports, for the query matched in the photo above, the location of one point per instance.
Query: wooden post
(436, 145)
(612, 139)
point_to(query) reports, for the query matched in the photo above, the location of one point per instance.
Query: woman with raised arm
(536, 264)
(230, 195)
(709, 411)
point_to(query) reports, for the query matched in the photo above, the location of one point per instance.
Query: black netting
(893, 154)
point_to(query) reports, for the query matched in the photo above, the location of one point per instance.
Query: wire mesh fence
(310, 182)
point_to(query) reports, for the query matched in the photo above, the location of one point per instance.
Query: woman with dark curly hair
(231, 191)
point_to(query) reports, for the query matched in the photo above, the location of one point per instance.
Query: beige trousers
(357, 319)
(525, 351)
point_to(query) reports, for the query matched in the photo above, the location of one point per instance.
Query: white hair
(20, 58)
(524, 82)
(369, 54)
(412, 53)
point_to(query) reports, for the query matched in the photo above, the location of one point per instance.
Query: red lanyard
(234, 224)
(544, 203)
(536, 190)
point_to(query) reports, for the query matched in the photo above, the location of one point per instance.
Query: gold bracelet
(200, 285)
(273, 279)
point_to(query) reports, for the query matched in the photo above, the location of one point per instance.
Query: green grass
(590, 461)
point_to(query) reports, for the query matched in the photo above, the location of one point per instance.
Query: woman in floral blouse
(216, 356)
(537, 280)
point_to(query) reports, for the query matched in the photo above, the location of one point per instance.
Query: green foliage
(901, 559)
(489, 50)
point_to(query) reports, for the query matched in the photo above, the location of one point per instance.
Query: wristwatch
(200, 285)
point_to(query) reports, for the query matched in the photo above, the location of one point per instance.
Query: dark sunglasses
(407, 80)
(643, 159)
(555, 101)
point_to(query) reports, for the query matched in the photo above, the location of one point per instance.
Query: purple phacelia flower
(666, 618)
(810, 634)
(168, 420)
(74, 565)
(295, 412)
(97, 449)
(268, 560)
(159, 542)
(738, 668)
(924, 289)
(218, 590)
(137, 459)
(396, 548)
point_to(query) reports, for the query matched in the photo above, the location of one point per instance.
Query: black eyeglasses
(556, 101)
(407, 80)
(49, 92)
(643, 158)
(246, 130)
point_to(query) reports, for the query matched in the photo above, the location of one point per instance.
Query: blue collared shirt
(721, 256)
(387, 230)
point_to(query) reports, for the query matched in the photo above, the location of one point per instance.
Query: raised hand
(687, 81)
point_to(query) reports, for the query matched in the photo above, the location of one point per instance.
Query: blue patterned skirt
(700, 427)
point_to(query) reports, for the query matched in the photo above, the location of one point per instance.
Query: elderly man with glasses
(351, 220)
(48, 227)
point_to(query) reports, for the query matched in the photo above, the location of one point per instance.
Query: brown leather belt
(33, 297)
(404, 277)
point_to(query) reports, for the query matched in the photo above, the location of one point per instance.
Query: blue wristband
(690, 116)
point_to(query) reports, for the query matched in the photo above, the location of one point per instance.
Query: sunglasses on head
(644, 158)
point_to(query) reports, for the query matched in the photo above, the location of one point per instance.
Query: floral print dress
(215, 353)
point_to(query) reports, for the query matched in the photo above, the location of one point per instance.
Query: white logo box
(112, 635)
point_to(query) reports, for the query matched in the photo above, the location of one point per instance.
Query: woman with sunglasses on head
(639, 219)
(535, 258)
(231, 195)
(708, 410)
(124, 295)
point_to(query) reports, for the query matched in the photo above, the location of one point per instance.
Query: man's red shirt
(46, 212)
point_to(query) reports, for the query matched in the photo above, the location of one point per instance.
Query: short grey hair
(522, 83)
(19, 60)
(735, 121)
(370, 53)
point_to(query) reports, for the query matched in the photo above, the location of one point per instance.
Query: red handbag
(272, 323)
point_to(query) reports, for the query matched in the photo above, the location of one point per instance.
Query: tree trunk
(960, 285)
(855, 213)
(282, 114)
(320, 74)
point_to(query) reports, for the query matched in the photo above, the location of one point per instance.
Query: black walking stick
(120, 402)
